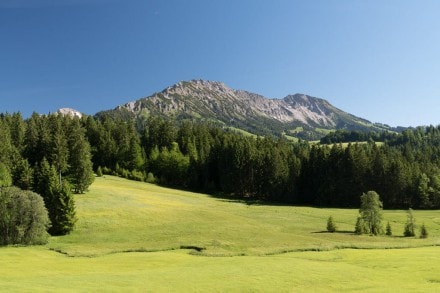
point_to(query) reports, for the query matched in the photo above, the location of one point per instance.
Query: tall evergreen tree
(62, 213)
(57, 198)
(81, 167)
(59, 148)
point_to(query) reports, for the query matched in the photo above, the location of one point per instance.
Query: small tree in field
(423, 232)
(371, 213)
(99, 172)
(410, 225)
(388, 230)
(331, 227)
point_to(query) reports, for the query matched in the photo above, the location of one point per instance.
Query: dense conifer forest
(404, 169)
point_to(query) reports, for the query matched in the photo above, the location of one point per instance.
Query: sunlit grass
(129, 237)
(120, 215)
(403, 270)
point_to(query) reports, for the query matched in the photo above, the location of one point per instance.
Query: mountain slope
(296, 115)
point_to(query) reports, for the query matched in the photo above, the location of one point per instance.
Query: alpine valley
(297, 115)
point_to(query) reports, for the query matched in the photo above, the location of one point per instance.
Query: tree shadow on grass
(336, 232)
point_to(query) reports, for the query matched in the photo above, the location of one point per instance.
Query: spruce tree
(57, 198)
(81, 167)
(59, 148)
(63, 215)
(389, 232)
(331, 227)
(23, 175)
(423, 232)
(5, 176)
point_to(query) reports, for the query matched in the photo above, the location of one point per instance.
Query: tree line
(203, 157)
(207, 158)
(357, 136)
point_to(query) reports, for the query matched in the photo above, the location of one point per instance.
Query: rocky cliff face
(298, 114)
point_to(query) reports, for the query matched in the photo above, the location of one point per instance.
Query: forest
(196, 156)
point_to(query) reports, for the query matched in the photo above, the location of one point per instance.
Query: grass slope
(129, 237)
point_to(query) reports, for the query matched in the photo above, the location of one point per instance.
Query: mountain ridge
(297, 115)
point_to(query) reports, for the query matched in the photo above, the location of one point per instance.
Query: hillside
(296, 115)
(148, 243)
(153, 218)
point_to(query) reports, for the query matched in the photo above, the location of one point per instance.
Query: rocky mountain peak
(216, 102)
(70, 112)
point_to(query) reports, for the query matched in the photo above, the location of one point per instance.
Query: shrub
(423, 232)
(99, 172)
(107, 171)
(360, 226)
(23, 217)
(410, 225)
(136, 175)
(150, 178)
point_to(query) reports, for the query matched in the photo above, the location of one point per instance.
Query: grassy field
(139, 237)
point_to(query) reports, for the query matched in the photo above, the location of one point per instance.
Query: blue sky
(379, 60)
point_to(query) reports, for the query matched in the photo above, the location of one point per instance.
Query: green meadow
(134, 236)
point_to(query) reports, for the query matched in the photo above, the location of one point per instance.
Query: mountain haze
(295, 115)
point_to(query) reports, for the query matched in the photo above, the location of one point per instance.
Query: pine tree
(62, 214)
(423, 232)
(81, 167)
(331, 227)
(5, 176)
(23, 175)
(57, 198)
(388, 230)
(59, 148)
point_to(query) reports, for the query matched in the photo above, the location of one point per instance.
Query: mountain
(69, 112)
(296, 115)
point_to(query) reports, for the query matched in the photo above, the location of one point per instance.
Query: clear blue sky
(379, 60)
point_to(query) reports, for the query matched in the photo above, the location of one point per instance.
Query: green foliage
(410, 225)
(359, 227)
(23, 175)
(388, 232)
(203, 156)
(423, 232)
(371, 212)
(99, 172)
(150, 178)
(5, 176)
(57, 198)
(23, 217)
(331, 226)
(62, 211)
(81, 169)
